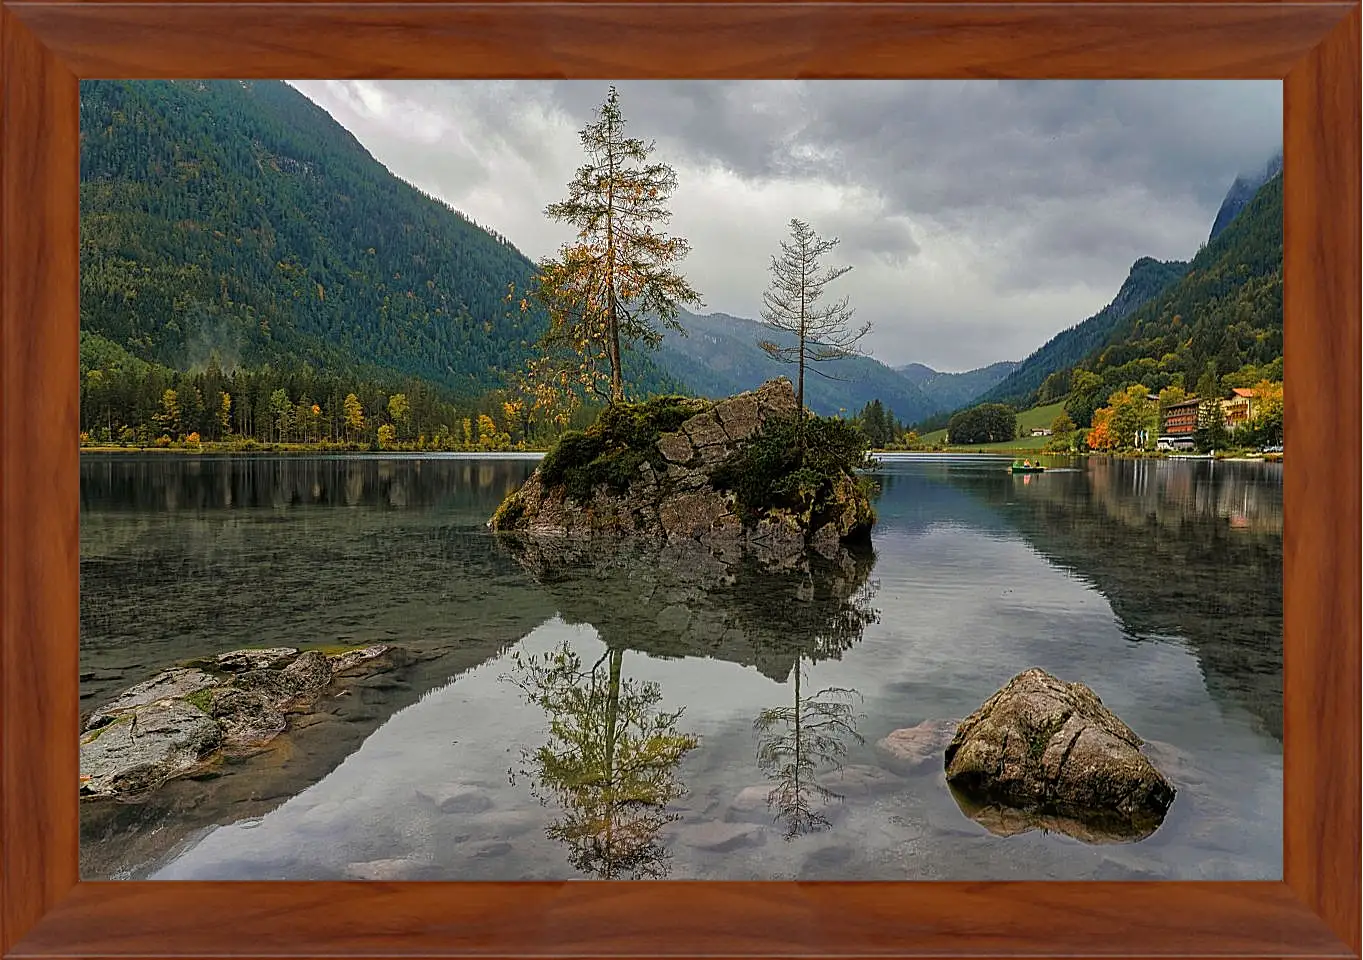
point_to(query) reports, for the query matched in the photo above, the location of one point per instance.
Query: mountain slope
(1148, 277)
(719, 356)
(951, 391)
(1225, 313)
(238, 218)
(1241, 192)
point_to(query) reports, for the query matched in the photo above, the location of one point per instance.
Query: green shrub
(509, 512)
(775, 471)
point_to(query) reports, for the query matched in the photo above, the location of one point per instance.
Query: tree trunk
(612, 718)
(800, 392)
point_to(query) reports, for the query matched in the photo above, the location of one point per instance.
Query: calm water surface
(1158, 584)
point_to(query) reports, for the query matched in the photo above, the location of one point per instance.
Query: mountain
(719, 356)
(951, 391)
(1148, 277)
(237, 218)
(1241, 192)
(1223, 315)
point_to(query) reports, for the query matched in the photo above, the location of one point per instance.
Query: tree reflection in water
(806, 739)
(610, 761)
(746, 605)
(796, 743)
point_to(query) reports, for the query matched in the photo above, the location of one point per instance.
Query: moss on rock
(749, 467)
(776, 471)
(612, 450)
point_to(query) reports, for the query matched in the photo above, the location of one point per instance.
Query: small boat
(1026, 466)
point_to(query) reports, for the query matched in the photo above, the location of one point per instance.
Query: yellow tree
(608, 287)
(169, 415)
(1134, 416)
(225, 413)
(400, 410)
(354, 415)
(1268, 399)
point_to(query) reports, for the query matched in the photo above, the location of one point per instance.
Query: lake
(1156, 583)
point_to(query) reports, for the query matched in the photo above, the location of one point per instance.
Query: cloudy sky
(979, 217)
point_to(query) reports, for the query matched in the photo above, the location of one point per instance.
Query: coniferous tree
(605, 289)
(791, 304)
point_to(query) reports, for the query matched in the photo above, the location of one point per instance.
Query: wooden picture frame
(45, 47)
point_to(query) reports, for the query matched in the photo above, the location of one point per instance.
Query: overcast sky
(980, 217)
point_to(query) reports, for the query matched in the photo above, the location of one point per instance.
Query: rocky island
(743, 470)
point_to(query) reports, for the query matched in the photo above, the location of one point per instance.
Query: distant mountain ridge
(952, 390)
(1225, 313)
(719, 356)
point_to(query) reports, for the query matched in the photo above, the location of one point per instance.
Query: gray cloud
(982, 216)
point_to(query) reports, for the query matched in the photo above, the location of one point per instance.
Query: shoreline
(300, 450)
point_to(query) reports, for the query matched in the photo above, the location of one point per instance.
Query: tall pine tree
(605, 290)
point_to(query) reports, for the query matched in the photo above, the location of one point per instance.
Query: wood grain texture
(44, 913)
(1321, 341)
(629, 919)
(38, 480)
(394, 40)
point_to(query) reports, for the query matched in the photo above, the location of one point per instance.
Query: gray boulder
(1048, 747)
(237, 661)
(138, 752)
(185, 719)
(176, 683)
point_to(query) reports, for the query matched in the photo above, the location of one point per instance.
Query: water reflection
(1005, 821)
(799, 742)
(610, 761)
(745, 604)
(1179, 549)
(1105, 574)
(171, 483)
(748, 606)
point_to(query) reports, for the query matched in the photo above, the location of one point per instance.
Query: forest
(237, 220)
(125, 401)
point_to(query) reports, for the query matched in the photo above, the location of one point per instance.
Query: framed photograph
(305, 650)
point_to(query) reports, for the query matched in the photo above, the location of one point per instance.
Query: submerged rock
(674, 469)
(183, 720)
(718, 836)
(912, 748)
(1050, 749)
